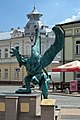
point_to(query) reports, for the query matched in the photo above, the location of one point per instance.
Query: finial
(34, 6)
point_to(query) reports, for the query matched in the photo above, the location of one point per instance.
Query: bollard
(48, 109)
(67, 91)
(11, 108)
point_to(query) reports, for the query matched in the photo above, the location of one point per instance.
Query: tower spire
(34, 17)
(34, 6)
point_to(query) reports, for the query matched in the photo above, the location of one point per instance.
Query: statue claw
(21, 91)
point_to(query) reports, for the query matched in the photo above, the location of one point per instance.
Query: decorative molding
(16, 33)
(68, 32)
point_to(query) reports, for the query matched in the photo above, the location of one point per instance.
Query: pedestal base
(19, 106)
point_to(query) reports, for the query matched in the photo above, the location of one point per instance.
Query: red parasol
(69, 67)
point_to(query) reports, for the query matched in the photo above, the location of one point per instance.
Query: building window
(78, 47)
(6, 74)
(77, 31)
(28, 50)
(0, 73)
(0, 53)
(6, 53)
(42, 49)
(16, 73)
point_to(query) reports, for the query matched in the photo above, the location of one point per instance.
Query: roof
(72, 22)
(8, 35)
(34, 12)
(5, 35)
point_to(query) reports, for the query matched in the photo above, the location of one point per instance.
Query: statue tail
(56, 47)
(59, 38)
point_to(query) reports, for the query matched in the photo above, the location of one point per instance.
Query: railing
(59, 85)
(63, 85)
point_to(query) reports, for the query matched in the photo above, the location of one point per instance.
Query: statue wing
(56, 47)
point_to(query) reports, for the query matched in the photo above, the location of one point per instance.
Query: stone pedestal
(29, 106)
(11, 104)
(47, 109)
(19, 106)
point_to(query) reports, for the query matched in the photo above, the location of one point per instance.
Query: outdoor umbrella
(68, 67)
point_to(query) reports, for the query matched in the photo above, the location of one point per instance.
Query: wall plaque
(24, 107)
(2, 106)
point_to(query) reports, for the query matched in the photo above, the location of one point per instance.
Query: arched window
(6, 52)
(5, 73)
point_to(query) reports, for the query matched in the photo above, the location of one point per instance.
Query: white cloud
(73, 18)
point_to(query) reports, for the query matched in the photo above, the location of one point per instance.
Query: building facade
(71, 51)
(24, 38)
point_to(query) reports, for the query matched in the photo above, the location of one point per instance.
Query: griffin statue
(35, 64)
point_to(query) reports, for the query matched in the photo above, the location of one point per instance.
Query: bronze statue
(35, 64)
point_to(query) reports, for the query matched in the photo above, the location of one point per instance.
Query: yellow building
(24, 38)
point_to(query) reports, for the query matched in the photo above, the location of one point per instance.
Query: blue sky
(13, 12)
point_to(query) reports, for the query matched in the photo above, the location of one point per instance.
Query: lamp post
(63, 60)
(63, 52)
(64, 57)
